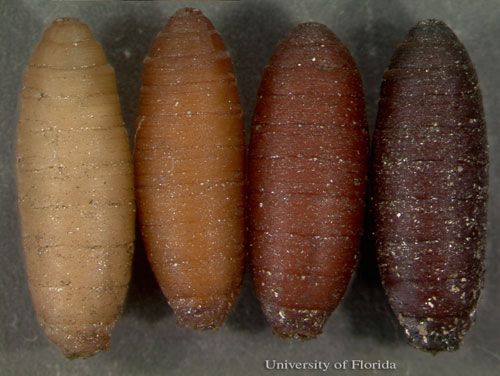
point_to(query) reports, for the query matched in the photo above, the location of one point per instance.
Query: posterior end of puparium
(302, 324)
(202, 314)
(79, 341)
(435, 335)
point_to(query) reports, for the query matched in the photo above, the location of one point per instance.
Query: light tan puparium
(75, 189)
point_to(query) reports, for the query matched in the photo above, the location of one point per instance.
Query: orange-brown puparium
(189, 159)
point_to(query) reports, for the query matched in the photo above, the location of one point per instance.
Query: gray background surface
(146, 340)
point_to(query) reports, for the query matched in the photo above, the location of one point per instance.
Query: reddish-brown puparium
(308, 167)
(75, 189)
(430, 187)
(189, 159)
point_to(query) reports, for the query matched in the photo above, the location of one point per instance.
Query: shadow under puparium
(247, 314)
(250, 49)
(367, 305)
(127, 41)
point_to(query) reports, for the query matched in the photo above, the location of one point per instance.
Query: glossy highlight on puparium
(307, 177)
(75, 189)
(189, 161)
(430, 167)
